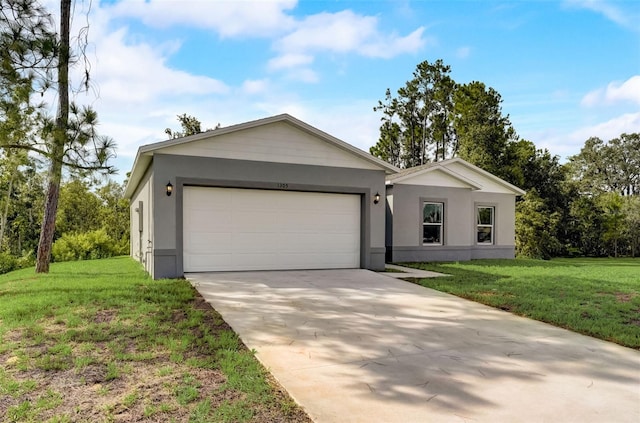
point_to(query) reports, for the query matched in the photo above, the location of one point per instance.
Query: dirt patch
(105, 316)
(625, 297)
(634, 322)
(110, 387)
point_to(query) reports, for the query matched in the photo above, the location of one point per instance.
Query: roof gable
(459, 172)
(279, 142)
(433, 175)
(280, 139)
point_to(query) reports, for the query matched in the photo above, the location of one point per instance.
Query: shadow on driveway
(358, 346)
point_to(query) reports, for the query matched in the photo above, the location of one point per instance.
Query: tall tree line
(587, 206)
(36, 57)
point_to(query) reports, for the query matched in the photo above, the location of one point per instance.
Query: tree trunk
(59, 140)
(5, 212)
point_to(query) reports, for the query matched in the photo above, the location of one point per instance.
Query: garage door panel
(251, 261)
(243, 229)
(204, 262)
(210, 218)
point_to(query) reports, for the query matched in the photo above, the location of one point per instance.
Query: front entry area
(232, 229)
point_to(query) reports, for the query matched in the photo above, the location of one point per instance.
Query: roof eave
(145, 152)
(511, 187)
(437, 167)
(140, 166)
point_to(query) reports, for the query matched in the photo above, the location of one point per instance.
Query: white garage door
(244, 229)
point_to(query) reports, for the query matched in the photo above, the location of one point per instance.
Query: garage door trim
(366, 198)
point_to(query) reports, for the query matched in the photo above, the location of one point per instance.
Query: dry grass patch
(101, 342)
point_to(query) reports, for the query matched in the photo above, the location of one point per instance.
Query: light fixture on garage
(169, 189)
(376, 198)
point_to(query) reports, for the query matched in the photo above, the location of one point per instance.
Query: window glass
(485, 225)
(485, 215)
(432, 212)
(432, 219)
(431, 234)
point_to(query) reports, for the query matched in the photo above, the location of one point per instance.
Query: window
(432, 214)
(485, 216)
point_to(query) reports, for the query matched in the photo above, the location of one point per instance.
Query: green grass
(135, 348)
(596, 297)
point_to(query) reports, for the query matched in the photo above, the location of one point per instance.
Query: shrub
(8, 262)
(85, 246)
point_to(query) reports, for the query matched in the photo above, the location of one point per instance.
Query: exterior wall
(487, 183)
(183, 170)
(278, 142)
(141, 213)
(459, 224)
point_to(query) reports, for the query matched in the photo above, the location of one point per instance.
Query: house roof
(145, 153)
(446, 166)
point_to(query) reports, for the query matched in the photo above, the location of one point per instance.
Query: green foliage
(190, 126)
(417, 124)
(631, 227)
(82, 210)
(484, 135)
(536, 227)
(8, 262)
(433, 118)
(87, 246)
(613, 219)
(114, 212)
(572, 209)
(78, 208)
(612, 166)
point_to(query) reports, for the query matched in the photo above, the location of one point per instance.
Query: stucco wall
(141, 213)
(459, 224)
(183, 170)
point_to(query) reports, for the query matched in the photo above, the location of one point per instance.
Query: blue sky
(566, 70)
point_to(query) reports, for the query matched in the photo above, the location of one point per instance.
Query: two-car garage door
(227, 229)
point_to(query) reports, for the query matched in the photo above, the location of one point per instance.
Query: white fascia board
(437, 167)
(486, 174)
(140, 166)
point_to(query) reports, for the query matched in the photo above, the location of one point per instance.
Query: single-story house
(449, 211)
(270, 194)
(277, 194)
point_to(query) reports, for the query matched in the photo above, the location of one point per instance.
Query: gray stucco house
(449, 211)
(274, 193)
(277, 193)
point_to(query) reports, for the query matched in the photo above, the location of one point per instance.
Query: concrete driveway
(358, 346)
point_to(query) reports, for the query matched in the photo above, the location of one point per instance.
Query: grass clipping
(100, 341)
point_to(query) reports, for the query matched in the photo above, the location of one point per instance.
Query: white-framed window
(432, 223)
(485, 223)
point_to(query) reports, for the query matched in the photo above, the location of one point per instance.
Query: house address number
(282, 185)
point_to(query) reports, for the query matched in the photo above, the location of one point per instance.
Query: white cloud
(235, 18)
(289, 61)
(613, 128)
(567, 142)
(345, 32)
(627, 18)
(255, 86)
(140, 94)
(615, 92)
(137, 73)
(303, 75)
(463, 52)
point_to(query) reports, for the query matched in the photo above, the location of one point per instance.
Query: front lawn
(596, 297)
(98, 341)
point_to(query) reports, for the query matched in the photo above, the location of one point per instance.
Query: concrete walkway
(359, 346)
(409, 272)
